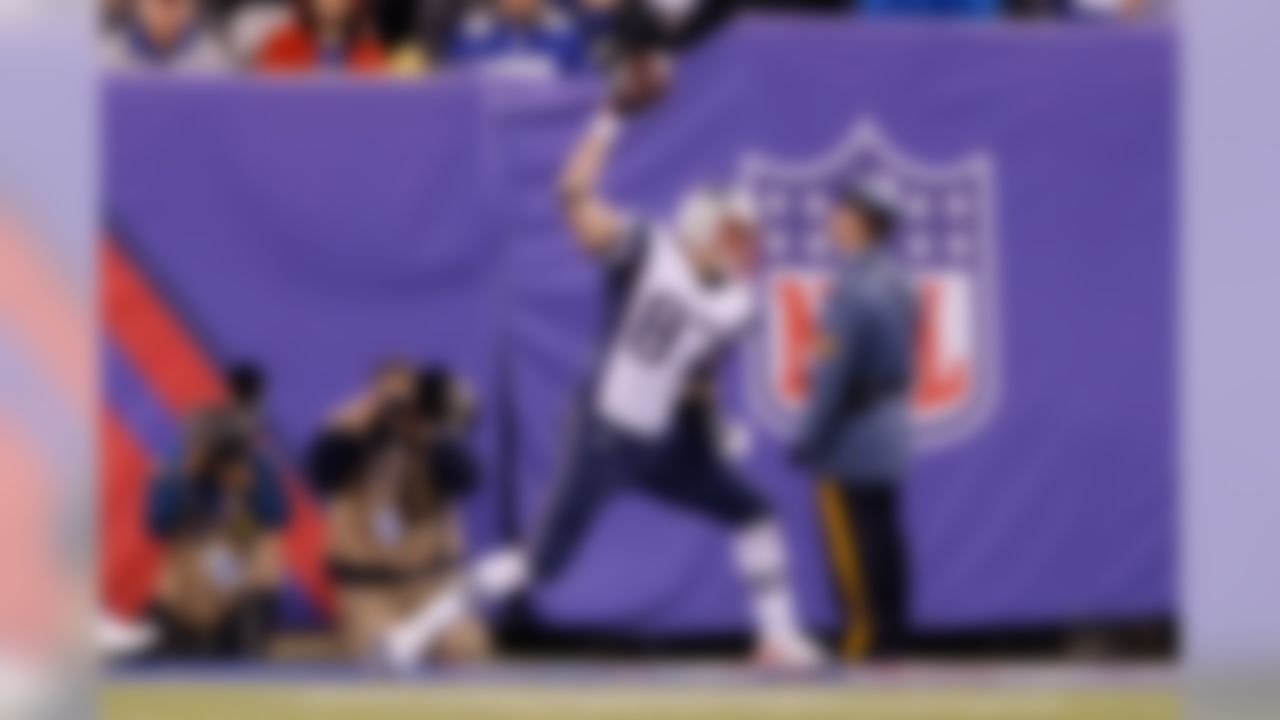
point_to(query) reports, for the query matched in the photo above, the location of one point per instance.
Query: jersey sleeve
(737, 311)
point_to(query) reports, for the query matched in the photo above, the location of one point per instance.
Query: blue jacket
(857, 426)
(554, 46)
(176, 502)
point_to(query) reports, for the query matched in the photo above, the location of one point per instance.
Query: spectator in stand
(247, 24)
(932, 8)
(164, 35)
(622, 27)
(436, 23)
(396, 23)
(1118, 9)
(616, 28)
(521, 38)
(1088, 9)
(325, 35)
(1037, 9)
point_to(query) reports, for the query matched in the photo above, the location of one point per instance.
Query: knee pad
(759, 550)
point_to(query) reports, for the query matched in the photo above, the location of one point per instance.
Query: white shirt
(672, 323)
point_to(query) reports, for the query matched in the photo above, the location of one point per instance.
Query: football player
(680, 296)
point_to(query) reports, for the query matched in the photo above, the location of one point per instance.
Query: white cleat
(398, 652)
(404, 646)
(794, 653)
(115, 638)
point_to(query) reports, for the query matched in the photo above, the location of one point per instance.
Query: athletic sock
(495, 577)
(410, 638)
(761, 558)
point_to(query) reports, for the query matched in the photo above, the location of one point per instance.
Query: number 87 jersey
(672, 321)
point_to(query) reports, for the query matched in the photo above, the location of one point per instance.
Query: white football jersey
(670, 324)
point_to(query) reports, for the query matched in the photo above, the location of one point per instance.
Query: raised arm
(595, 224)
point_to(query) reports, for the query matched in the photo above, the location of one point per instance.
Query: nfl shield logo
(946, 239)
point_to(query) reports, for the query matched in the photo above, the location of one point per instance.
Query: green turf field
(175, 701)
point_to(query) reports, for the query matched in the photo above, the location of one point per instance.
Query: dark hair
(434, 396)
(880, 215)
(247, 383)
(883, 222)
(222, 440)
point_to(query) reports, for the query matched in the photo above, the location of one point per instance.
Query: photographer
(219, 512)
(393, 466)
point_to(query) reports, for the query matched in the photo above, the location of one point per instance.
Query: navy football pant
(684, 469)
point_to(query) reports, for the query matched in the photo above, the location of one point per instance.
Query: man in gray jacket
(855, 432)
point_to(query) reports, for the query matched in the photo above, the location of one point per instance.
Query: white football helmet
(704, 210)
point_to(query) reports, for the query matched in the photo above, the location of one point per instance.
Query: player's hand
(639, 81)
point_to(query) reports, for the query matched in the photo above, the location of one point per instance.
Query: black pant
(683, 470)
(869, 555)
